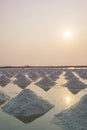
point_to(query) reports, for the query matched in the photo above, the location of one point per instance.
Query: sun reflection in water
(68, 100)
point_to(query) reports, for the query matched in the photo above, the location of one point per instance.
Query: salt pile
(33, 75)
(22, 81)
(19, 74)
(3, 97)
(82, 73)
(4, 80)
(46, 83)
(69, 75)
(74, 118)
(41, 72)
(74, 85)
(27, 106)
(53, 76)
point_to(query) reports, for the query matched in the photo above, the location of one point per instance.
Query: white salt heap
(3, 97)
(4, 80)
(75, 85)
(33, 76)
(26, 104)
(22, 81)
(74, 118)
(69, 75)
(46, 83)
(53, 76)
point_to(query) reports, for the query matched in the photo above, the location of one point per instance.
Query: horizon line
(42, 66)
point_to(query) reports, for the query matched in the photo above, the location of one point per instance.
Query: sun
(68, 34)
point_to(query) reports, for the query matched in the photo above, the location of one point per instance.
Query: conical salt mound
(22, 81)
(4, 80)
(69, 75)
(53, 76)
(26, 105)
(82, 73)
(74, 118)
(33, 75)
(3, 97)
(46, 83)
(74, 85)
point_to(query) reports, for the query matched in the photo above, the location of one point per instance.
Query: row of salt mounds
(74, 85)
(82, 73)
(22, 81)
(3, 97)
(7, 73)
(4, 80)
(74, 118)
(27, 106)
(46, 83)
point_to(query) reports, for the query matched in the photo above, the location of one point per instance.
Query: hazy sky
(31, 32)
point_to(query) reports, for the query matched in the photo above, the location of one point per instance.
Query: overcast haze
(31, 32)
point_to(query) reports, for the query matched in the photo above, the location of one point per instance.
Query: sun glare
(68, 34)
(68, 100)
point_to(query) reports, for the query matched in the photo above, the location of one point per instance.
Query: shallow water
(60, 96)
(45, 122)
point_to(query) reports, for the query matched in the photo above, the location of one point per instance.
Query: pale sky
(32, 32)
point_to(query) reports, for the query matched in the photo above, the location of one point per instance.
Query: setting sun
(68, 34)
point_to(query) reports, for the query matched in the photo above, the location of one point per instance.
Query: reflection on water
(68, 100)
(75, 117)
(28, 119)
(2, 102)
